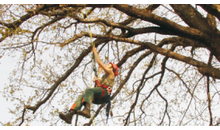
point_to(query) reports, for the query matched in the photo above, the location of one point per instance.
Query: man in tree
(98, 95)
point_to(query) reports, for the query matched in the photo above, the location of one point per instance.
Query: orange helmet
(115, 68)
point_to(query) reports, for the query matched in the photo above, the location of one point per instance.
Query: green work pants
(95, 95)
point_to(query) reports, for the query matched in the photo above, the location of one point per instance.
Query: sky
(6, 65)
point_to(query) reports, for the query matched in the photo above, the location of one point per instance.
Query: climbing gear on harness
(108, 110)
(93, 65)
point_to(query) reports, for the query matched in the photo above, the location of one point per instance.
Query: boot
(67, 117)
(86, 111)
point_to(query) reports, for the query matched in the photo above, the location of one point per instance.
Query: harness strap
(103, 93)
(103, 87)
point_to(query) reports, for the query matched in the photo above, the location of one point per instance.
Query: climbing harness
(103, 87)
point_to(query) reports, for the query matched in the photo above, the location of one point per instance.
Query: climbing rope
(93, 61)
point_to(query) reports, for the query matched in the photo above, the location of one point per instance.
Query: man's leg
(88, 97)
(78, 103)
(67, 117)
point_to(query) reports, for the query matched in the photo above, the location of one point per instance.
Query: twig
(76, 119)
(23, 114)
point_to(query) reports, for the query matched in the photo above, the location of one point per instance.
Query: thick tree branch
(192, 17)
(211, 40)
(163, 22)
(212, 9)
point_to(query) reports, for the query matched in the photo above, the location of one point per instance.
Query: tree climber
(97, 95)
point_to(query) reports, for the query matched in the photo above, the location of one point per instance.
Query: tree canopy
(168, 58)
